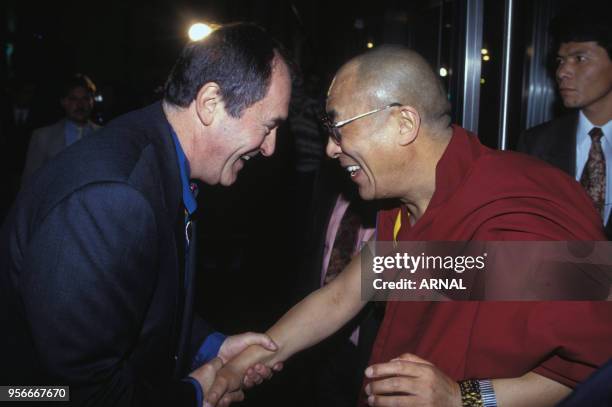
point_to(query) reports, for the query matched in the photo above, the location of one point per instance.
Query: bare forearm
(313, 319)
(530, 390)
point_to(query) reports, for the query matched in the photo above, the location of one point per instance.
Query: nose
(332, 149)
(268, 145)
(564, 71)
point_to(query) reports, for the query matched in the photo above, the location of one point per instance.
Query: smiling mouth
(352, 169)
(247, 157)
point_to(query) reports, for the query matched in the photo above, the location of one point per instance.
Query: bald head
(390, 74)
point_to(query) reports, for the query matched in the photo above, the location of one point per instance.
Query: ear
(410, 122)
(208, 102)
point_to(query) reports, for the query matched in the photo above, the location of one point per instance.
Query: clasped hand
(222, 384)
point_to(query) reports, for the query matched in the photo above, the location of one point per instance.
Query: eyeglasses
(333, 128)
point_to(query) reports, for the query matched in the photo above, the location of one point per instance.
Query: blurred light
(443, 72)
(482, 81)
(199, 31)
(484, 51)
(486, 58)
(370, 44)
(99, 98)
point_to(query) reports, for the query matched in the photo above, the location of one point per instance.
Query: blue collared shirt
(189, 200)
(210, 348)
(583, 146)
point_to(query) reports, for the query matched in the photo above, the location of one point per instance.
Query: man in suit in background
(580, 143)
(341, 222)
(97, 257)
(77, 101)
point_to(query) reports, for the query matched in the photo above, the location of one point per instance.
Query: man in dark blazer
(584, 76)
(97, 257)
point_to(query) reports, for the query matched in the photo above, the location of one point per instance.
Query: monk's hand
(258, 373)
(410, 381)
(234, 345)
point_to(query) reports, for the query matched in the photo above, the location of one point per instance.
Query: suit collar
(168, 160)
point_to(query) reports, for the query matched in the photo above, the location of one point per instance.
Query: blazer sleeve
(200, 330)
(86, 287)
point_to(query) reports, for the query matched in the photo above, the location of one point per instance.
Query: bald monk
(390, 129)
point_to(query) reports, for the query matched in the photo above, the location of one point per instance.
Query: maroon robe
(489, 195)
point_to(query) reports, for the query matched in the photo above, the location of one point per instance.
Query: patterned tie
(593, 177)
(344, 244)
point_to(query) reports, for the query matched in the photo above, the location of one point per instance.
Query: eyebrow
(573, 53)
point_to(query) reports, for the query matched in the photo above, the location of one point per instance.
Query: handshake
(247, 359)
(222, 379)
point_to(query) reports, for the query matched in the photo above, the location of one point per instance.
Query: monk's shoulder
(517, 168)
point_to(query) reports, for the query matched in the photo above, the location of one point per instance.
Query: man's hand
(234, 345)
(410, 381)
(221, 391)
(206, 375)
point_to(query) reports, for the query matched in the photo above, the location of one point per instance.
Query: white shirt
(583, 146)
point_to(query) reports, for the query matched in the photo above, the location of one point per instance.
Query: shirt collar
(585, 125)
(189, 200)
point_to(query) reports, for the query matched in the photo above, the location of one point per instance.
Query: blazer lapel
(171, 180)
(562, 153)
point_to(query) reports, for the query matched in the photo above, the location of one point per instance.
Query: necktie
(344, 244)
(593, 177)
(188, 219)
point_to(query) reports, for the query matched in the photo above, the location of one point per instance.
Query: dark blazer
(555, 143)
(93, 286)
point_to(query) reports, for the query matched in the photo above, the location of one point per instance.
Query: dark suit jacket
(93, 288)
(555, 143)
